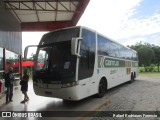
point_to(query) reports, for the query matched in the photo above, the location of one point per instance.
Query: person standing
(9, 79)
(24, 85)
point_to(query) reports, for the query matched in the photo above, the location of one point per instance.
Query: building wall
(10, 30)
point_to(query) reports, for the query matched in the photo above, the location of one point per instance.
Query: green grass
(150, 74)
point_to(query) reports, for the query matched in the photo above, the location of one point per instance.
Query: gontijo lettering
(104, 62)
(111, 63)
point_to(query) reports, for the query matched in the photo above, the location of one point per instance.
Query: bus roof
(81, 27)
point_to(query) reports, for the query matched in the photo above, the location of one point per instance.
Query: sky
(125, 21)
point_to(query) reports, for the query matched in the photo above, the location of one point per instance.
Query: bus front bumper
(71, 93)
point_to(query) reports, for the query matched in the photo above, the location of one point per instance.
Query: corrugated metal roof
(34, 13)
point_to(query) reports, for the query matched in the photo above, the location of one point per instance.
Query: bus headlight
(69, 84)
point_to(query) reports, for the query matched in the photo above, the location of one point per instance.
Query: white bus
(77, 62)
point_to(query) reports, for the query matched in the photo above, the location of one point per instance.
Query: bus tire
(132, 77)
(135, 75)
(102, 88)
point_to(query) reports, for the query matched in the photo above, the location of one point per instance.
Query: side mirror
(75, 46)
(26, 50)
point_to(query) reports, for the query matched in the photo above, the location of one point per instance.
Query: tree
(137, 46)
(156, 50)
(145, 55)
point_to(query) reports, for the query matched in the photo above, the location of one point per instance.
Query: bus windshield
(56, 62)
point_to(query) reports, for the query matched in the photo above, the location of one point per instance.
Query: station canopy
(46, 15)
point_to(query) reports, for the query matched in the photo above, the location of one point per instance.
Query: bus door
(86, 65)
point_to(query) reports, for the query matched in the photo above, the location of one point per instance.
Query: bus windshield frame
(54, 62)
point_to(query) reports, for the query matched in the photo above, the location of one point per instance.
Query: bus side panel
(114, 76)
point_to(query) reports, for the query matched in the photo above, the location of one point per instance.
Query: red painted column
(4, 60)
(20, 63)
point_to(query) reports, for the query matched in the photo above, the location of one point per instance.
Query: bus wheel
(135, 75)
(132, 77)
(102, 88)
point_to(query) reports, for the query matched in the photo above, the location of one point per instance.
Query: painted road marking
(94, 111)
